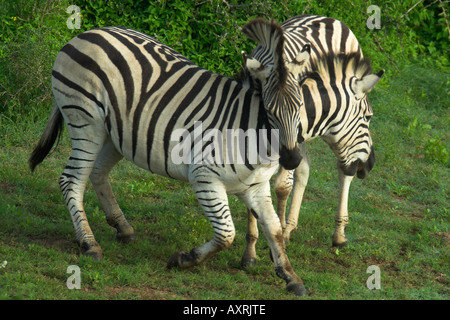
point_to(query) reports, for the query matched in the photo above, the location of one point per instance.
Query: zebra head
(278, 81)
(348, 135)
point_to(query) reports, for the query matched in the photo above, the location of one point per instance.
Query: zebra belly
(156, 163)
(244, 178)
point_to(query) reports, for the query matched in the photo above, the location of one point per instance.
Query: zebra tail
(52, 133)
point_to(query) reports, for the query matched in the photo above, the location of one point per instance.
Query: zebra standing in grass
(124, 94)
(335, 107)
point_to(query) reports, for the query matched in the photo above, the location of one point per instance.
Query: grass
(399, 220)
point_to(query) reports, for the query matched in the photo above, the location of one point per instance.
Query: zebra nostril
(359, 166)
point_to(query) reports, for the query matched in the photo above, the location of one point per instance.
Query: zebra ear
(268, 35)
(366, 84)
(257, 69)
(301, 60)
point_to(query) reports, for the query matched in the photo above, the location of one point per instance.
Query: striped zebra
(336, 108)
(122, 94)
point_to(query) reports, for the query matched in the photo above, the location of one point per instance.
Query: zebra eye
(367, 118)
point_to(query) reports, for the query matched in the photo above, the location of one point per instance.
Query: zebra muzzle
(290, 159)
(364, 167)
(362, 170)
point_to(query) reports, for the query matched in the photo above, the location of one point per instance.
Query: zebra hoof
(125, 233)
(248, 262)
(339, 243)
(177, 260)
(95, 252)
(91, 249)
(339, 240)
(125, 238)
(297, 289)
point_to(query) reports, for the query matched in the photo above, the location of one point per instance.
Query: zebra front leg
(259, 200)
(249, 257)
(107, 159)
(301, 175)
(214, 202)
(283, 187)
(341, 219)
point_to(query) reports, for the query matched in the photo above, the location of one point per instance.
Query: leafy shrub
(33, 33)
(207, 32)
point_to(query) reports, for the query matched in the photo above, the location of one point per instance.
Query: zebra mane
(270, 36)
(331, 66)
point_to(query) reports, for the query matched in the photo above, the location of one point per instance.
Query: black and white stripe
(124, 94)
(335, 108)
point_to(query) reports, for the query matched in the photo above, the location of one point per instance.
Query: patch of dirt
(143, 293)
(7, 187)
(443, 235)
(385, 264)
(68, 246)
(63, 244)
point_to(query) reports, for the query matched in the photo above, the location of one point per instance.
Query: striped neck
(327, 94)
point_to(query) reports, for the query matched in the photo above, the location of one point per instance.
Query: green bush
(206, 31)
(32, 34)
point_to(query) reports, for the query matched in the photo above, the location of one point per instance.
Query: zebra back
(144, 91)
(326, 35)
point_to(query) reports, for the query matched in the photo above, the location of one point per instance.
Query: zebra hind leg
(215, 205)
(72, 184)
(88, 137)
(107, 159)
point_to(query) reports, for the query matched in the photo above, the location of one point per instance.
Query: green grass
(399, 221)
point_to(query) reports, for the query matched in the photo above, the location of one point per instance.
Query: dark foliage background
(207, 32)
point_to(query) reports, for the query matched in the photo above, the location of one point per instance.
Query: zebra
(335, 108)
(123, 94)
